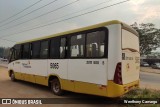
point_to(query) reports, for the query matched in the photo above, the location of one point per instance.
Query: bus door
(14, 59)
(58, 64)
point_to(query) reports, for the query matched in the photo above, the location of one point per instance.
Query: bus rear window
(130, 40)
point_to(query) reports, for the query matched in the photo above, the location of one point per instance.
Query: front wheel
(13, 77)
(56, 87)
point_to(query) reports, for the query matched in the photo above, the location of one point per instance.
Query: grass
(143, 93)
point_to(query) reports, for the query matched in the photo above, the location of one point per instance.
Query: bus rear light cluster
(118, 74)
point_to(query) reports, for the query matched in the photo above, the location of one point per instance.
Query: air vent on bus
(118, 74)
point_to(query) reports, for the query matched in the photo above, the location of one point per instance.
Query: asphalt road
(150, 77)
(150, 80)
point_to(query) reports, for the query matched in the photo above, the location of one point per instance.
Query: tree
(149, 37)
(1, 51)
(4, 52)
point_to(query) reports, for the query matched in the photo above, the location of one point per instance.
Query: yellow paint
(116, 90)
(67, 85)
(41, 80)
(18, 76)
(111, 90)
(29, 78)
(90, 88)
(76, 30)
(32, 78)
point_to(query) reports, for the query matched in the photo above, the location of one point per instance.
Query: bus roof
(81, 29)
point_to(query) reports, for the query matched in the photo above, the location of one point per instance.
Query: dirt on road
(21, 89)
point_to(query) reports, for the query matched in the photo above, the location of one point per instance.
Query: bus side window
(63, 48)
(54, 48)
(95, 44)
(44, 50)
(25, 51)
(77, 46)
(17, 52)
(35, 51)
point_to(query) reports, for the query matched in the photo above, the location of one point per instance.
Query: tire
(13, 77)
(56, 87)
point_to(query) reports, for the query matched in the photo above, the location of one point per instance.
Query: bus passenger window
(17, 52)
(77, 46)
(63, 48)
(44, 50)
(54, 48)
(95, 44)
(25, 51)
(35, 50)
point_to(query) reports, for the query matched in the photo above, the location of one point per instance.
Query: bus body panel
(114, 48)
(88, 70)
(15, 66)
(35, 71)
(58, 67)
(27, 71)
(130, 57)
(130, 67)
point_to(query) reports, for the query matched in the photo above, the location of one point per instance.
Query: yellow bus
(101, 59)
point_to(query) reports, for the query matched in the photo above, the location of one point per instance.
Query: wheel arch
(10, 72)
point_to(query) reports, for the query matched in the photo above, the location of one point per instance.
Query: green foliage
(142, 93)
(149, 37)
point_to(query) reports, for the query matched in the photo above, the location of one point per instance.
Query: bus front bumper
(116, 90)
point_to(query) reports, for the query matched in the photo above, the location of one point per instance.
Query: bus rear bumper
(116, 90)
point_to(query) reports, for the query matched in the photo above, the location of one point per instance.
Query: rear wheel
(56, 87)
(13, 76)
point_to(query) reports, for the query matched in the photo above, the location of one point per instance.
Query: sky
(27, 19)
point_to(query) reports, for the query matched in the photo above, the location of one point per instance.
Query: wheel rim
(56, 87)
(12, 76)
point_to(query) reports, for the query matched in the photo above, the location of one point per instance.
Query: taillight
(118, 74)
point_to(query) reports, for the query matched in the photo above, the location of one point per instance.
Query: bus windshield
(15, 53)
(129, 40)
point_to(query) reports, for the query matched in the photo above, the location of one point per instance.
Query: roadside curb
(150, 72)
(3, 66)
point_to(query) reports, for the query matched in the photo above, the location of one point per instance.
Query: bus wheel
(13, 77)
(56, 87)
